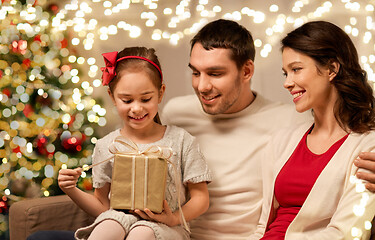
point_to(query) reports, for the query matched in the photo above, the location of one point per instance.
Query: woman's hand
(68, 178)
(166, 217)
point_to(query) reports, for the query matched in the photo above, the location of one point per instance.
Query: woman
(310, 189)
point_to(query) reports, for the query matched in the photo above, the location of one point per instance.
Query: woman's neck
(325, 122)
(150, 134)
(325, 133)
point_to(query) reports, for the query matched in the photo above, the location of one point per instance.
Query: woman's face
(309, 84)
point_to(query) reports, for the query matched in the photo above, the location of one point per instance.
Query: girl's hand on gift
(68, 178)
(166, 217)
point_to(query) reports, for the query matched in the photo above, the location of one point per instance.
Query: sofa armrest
(50, 213)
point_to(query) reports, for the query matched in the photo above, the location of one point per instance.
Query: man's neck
(245, 100)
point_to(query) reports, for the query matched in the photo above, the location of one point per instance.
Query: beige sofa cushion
(50, 213)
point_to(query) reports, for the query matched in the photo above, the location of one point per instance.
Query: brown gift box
(138, 182)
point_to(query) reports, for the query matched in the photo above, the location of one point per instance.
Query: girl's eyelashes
(131, 100)
(127, 101)
(146, 100)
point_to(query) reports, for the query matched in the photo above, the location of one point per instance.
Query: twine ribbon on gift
(163, 152)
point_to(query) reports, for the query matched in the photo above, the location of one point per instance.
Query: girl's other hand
(166, 217)
(68, 178)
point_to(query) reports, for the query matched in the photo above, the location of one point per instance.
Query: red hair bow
(109, 69)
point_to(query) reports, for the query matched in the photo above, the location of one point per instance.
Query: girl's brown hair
(134, 65)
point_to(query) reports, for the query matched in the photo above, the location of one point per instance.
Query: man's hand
(366, 160)
(166, 217)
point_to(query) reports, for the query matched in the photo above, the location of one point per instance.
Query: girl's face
(136, 99)
(310, 87)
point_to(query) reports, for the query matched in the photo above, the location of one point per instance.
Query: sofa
(50, 213)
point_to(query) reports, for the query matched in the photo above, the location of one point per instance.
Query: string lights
(360, 207)
(185, 19)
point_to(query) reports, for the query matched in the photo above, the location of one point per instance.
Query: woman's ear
(161, 92)
(333, 70)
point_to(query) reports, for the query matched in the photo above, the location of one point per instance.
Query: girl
(310, 189)
(135, 85)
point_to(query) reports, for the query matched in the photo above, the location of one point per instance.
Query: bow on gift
(163, 152)
(110, 65)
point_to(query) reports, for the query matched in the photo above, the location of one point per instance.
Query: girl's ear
(333, 70)
(111, 96)
(161, 92)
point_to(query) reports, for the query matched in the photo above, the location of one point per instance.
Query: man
(232, 124)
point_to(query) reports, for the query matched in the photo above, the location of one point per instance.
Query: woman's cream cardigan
(328, 210)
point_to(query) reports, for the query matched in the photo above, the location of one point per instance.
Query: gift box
(138, 182)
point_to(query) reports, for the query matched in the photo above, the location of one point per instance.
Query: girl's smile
(138, 118)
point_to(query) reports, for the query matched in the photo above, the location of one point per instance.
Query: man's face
(216, 80)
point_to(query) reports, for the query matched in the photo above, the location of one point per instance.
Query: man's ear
(248, 70)
(111, 96)
(334, 68)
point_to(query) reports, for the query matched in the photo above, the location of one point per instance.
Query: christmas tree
(47, 114)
